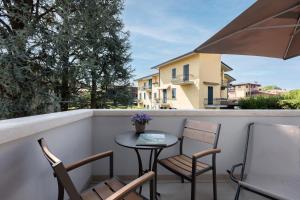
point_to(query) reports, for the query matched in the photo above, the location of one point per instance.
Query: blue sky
(163, 29)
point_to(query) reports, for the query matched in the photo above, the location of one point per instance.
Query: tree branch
(37, 5)
(6, 26)
(45, 13)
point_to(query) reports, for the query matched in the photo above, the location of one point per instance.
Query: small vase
(139, 128)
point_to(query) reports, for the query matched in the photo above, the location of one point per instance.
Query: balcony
(72, 135)
(216, 102)
(183, 80)
(224, 84)
(147, 88)
(155, 84)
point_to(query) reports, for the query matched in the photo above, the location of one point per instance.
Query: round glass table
(129, 140)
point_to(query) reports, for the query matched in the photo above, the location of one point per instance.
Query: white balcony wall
(25, 174)
(107, 124)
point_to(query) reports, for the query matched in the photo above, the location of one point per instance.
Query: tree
(65, 49)
(24, 75)
(51, 49)
(104, 49)
(270, 87)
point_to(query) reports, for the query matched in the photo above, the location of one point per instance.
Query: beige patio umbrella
(268, 28)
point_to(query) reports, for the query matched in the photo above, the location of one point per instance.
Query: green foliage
(50, 50)
(105, 56)
(260, 102)
(289, 100)
(25, 75)
(270, 87)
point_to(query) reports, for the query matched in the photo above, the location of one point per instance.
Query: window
(150, 95)
(174, 73)
(145, 85)
(173, 93)
(155, 95)
(150, 83)
(140, 96)
(144, 95)
(165, 95)
(186, 72)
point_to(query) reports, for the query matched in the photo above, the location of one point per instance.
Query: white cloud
(160, 25)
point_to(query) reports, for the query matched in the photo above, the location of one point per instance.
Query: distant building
(133, 91)
(190, 81)
(148, 93)
(243, 90)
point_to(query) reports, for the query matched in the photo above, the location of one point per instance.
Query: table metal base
(152, 166)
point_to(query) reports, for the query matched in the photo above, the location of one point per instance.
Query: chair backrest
(60, 171)
(272, 159)
(202, 131)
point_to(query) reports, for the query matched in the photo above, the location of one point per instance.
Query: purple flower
(140, 118)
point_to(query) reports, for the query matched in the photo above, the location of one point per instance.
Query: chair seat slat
(90, 195)
(182, 164)
(188, 161)
(103, 190)
(115, 185)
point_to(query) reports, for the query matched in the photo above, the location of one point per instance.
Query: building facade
(190, 81)
(243, 90)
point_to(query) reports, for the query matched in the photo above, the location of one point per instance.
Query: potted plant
(140, 120)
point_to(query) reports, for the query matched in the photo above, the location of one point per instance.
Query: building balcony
(148, 88)
(225, 84)
(216, 102)
(145, 88)
(73, 135)
(156, 100)
(155, 84)
(183, 80)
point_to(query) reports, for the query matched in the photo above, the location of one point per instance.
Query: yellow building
(190, 81)
(148, 93)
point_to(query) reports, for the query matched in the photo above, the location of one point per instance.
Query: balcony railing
(75, 134)
(155, 83)
(183, 79)
(224, 84)
(147, 87)
(219, 102)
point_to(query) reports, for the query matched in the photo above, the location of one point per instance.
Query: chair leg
(193, 189)
(237, 195)
(214, 183)
(60, 190)
(152, 195)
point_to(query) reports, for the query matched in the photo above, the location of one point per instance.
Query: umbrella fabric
(268, 28)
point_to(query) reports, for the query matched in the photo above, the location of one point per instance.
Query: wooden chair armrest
(88, 160)
(121, 193)
(205, 153)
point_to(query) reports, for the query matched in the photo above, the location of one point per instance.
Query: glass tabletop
(129, 139)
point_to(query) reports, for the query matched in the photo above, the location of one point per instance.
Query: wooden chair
(112, 189)
(189, 167)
